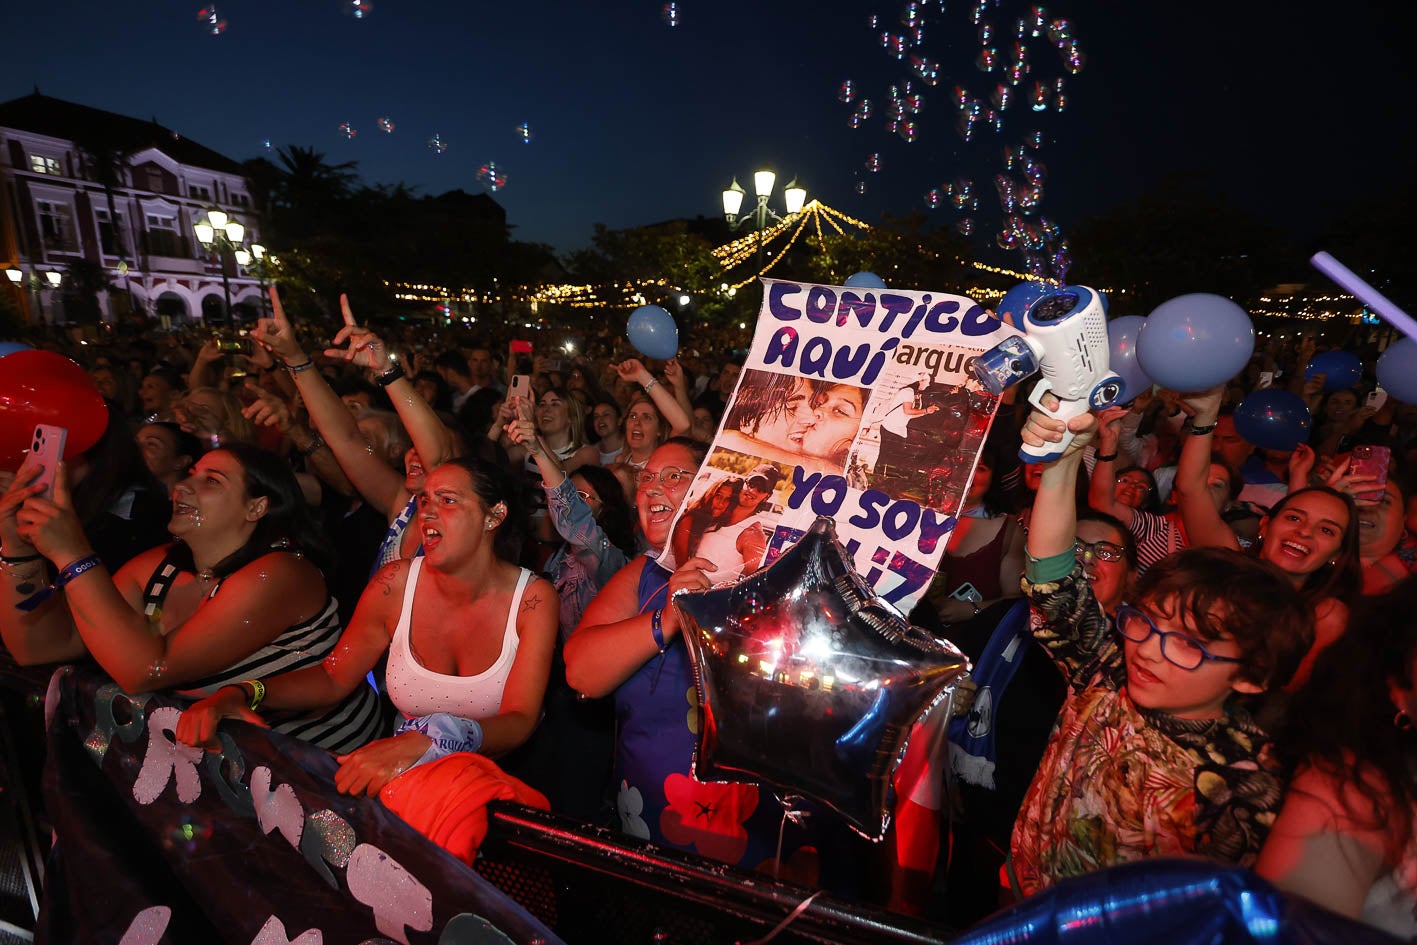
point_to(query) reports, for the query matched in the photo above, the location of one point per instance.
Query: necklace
(206, 575)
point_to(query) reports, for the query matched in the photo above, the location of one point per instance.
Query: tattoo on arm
(532, 602)
(385, 580)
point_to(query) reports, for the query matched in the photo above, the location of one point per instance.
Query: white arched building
(55, 209)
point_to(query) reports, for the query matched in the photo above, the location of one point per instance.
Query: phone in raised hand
(521, 387)
(46, 450)
(1371, 462)
(1377, 399)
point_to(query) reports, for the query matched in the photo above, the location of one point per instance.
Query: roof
(71, 121)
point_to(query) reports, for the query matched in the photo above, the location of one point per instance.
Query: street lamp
(263, 259)
(794, 197)
(219, 231)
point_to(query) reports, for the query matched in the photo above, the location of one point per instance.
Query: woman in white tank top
(468, 633)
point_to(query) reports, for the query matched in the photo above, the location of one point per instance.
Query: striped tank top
(340, 728)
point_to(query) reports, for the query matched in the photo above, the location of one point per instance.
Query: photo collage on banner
(853, 403)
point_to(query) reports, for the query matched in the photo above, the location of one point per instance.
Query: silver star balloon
(809, 681)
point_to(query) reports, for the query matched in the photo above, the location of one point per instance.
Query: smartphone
(969, 592)
(1266, 379)
(46, 450)
(1377, 399)
(1371, 461)
(521, 387)
(521, 347)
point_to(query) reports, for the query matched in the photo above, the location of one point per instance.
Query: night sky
(1293, 110)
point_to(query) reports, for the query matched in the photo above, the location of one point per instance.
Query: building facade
(96, 197)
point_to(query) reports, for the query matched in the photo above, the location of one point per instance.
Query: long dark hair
(115, 466)
(492, 484)
(762, 397)
(701, 517)
(288, 524)
(1344, 578)
(617, 519)
(1342, 721)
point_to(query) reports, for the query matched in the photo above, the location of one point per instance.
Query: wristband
(447, 733)
(302, 366)
(650, 385)
(258, 693)
(66, 575)
(1105, 457)
(656, 629)
(1202, 431)
(391, 375)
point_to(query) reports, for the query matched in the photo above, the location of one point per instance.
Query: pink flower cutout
(708, 817)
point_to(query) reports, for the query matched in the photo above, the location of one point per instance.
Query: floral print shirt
(1120, 783)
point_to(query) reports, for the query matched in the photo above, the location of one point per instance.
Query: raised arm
(1053, 526)
(381, 486)
(434, 442)
(677, 417)
(1204, 526)
(1102, 488)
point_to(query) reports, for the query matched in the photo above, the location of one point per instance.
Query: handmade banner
(855, 404)
(159, 842)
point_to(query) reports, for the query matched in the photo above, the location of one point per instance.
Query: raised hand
(1109, 427)
(1301, 465)
(51, 525)
(268, 410)
(366, 349)
(631, 369)
(1040, 429)
(276, 335)
(521, 429)
(19, 486)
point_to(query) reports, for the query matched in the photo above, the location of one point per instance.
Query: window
(43, 165)
(156, 182)
(241, 200)
(105, 233)
(56, 226)
(164, 239)
(199, 193)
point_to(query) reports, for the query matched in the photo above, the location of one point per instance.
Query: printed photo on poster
(921, 437)
(732, 510)
(793, 420)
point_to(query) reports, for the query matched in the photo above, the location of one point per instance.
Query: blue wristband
(448, 734)
(656, 629)
(69, 573)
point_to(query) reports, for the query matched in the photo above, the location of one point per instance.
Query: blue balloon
(1122, 333)
(1397, 370)
(1341, 369)
(1195, 342)
(1017, 300)
(1273, 419)
(10, 347)
(865, 280)
(653, 333)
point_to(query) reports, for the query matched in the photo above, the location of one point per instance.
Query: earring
(1402, 721)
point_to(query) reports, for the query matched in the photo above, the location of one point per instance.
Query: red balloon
(44, 387)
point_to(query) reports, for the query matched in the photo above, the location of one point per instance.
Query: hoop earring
(1402, 721)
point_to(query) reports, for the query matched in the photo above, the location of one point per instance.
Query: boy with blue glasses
(1151, 755)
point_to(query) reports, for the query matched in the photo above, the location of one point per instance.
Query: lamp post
(794, 195)
(219, 231)
(54, 277)
(263, 259)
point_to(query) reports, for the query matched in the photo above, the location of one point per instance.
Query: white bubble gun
(1065, 339)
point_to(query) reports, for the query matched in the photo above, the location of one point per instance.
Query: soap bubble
(1038, 99)
(910, 16)
(670, 14)
(988, 59)
(358, 9)
(1060, 32)
(927, 69)
(347, 130)
(1001, 96)
(266, 145)
(1039, 21)
(523, 132)
(933, 198)
(860, 186)
(386, 125)
(873, 163)
(437, 145)
(986, 33)
(491, 176)
(847, 92)
(965, 226)
(212, 20)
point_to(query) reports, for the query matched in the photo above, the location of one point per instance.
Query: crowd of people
(389, 547)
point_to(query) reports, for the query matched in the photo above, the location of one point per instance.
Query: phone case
(1371, 461)
(46, 450)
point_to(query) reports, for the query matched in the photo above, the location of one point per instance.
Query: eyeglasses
(669, 477)
(1102, 550)
(1178, 648)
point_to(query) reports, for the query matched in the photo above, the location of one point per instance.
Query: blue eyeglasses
(1178, 648)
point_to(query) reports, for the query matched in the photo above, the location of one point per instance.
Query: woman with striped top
(239, 595)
